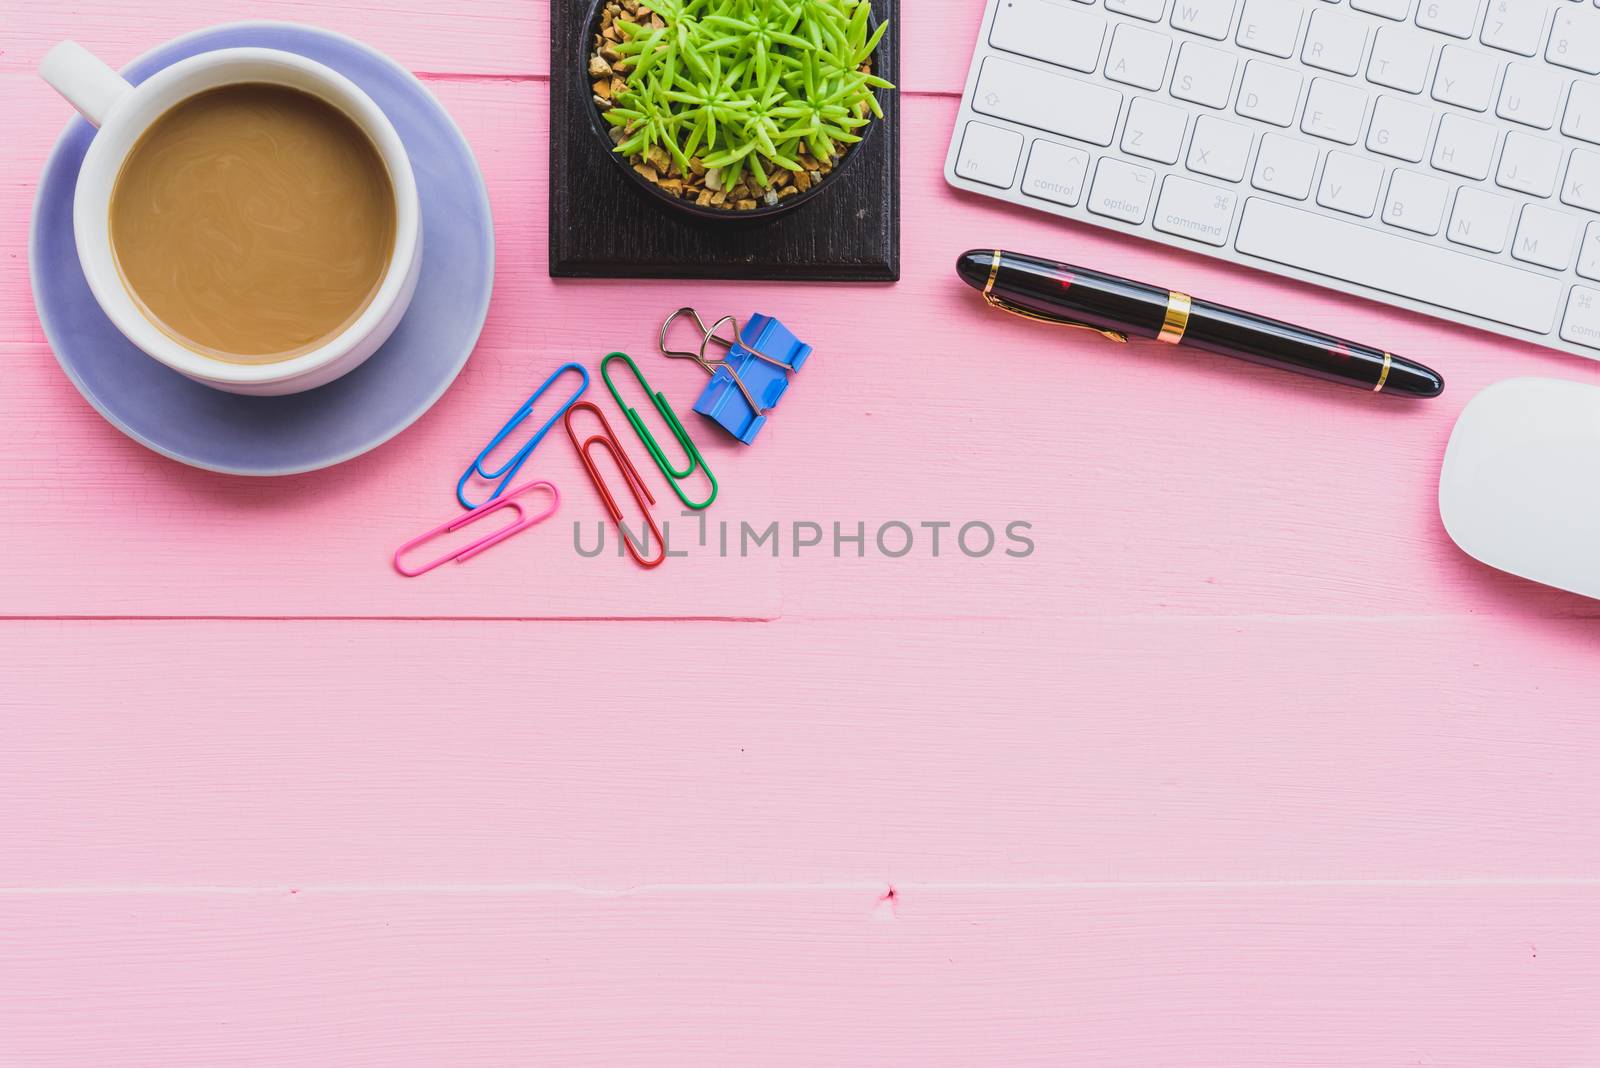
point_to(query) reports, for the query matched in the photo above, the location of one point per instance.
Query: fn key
(989, 155)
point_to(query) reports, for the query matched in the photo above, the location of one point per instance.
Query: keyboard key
(1056, 33)
(1389, 9)
(1138, 57)
(1204, 75)
(1528, 164)
(1581, 324)
(1121, 190)
(1269, 93)
(1415, 202)
(1055, 172)
(1285, 166)
(1530, 95)
(1582, 117)
(1270, 26)
(1046, 101)
(1334, 110)
(1482, 220)
(1464, 146)
(1582, 187)
(989, 154)
(1575, 40)
(1465, 78)
(1589, 253)
(1399, 128)
(1149, 10)
(1400, 265)
(1400, 59)
(1350, 184)
(1455, 17)
(1515, 25)
(1196, 211)
(1219, 148)
(1335, 42)
(1208, 18)
(1154, 130)
(1547, 237)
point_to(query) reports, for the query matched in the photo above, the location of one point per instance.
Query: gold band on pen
(994, 272)
(1383, 375)
(1177, 318)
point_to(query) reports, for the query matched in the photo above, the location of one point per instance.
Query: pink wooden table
(1244, 765)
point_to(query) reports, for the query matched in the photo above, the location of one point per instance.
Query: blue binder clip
(750, 378)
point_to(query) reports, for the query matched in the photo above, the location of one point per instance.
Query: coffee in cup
(253, 222)
(247, 216)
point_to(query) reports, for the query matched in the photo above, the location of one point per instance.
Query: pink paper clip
(462, 555)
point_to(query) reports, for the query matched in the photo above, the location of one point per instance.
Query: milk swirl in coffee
(253, 223)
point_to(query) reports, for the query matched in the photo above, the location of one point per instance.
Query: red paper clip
(462, 555)
(641, 493)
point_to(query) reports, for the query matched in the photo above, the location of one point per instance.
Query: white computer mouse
(1520, 488)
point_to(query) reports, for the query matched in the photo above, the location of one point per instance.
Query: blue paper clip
(758, 362)
(508, 471)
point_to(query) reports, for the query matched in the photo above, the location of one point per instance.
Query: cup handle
(86, 82)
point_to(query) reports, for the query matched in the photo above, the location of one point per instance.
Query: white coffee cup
(123, 112)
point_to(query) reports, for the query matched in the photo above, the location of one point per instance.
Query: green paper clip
(674, 476)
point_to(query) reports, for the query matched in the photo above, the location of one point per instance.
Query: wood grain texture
(480, 39)
(1155, 482)
(205, 544)
(603, 226)
(608, 756)
(1254, 977)
(1245, 765)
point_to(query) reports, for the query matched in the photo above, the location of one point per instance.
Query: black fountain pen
(1051, 292)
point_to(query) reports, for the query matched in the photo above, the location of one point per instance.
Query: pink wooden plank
(608, 756)
(149, 535)
(1155, 481)
(1276, 977)
(936, 39)
(1161, 481)
(495, 843)
(424, 35)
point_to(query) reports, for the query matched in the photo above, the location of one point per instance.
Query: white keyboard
(1437, 155)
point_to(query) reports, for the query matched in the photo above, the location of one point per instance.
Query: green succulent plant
(744, 84)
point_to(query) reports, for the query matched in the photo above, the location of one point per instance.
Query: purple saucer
(176, 417)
